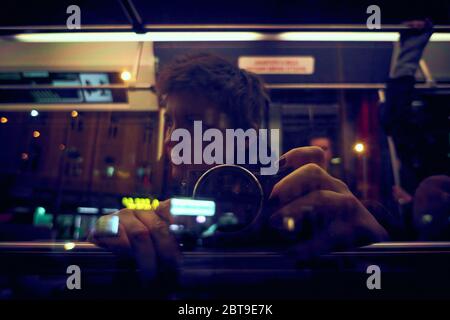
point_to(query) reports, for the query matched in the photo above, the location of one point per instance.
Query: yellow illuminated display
(140, 203)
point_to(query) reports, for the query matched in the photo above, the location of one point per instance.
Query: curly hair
(239, 93)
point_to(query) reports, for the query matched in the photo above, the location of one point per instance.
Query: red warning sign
(277, 65)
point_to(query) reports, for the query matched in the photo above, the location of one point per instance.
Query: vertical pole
(365, 178)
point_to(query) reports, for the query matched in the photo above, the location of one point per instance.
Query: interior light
(125, 76)
(359, 147)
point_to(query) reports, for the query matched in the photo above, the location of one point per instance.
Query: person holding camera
(208, 88)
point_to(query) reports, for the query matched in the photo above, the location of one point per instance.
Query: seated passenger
(208, 88)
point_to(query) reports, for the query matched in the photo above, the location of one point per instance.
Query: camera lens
(237, 193)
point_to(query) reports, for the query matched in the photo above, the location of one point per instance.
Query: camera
(228, 208)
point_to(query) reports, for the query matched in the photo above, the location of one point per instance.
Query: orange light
(24, 156)
(3, 120)
(125, 76)
(36, 134)
(359, 147)
(74, 114)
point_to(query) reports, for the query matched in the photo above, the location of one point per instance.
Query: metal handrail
(269, 86)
